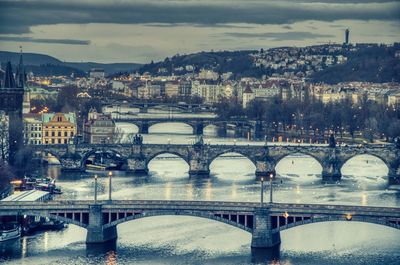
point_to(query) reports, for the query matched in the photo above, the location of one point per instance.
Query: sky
(143, 30)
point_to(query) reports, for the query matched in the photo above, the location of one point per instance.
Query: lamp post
(95, 189)
(262, 192)
(109, 184)
(271, 176)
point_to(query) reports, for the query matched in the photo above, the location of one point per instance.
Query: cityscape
(199, 132)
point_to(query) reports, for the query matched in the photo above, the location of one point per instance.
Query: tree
(4, 140)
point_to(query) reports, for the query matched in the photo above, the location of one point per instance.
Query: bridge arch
(153, 125)
(198, 214)
(44, 152)
(338, 218)
(234, 151)
(246, 166)
(94, 151)
(366, 154)
(154, 155)
(280, 159)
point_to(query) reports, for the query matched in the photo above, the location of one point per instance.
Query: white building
(248, 95)
(33, 129)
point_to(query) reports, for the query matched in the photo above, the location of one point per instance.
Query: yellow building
(58, 128)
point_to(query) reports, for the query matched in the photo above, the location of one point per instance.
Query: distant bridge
(198, 123)
(200, 156)
(264, 222)
(181, 107)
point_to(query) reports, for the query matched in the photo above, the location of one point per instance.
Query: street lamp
(109, 184)
(262, 192)
(95, 189)
(271, 176)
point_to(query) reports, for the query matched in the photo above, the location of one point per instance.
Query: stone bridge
(197, 123)
(181, 107)
(200, 156)
(264, 221)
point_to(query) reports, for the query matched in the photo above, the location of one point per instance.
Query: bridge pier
(96, 233)
(262, 236)
(258, 130)
(144, 127)
(198, 128)
(394, 176)
(264, 168)
(331, 166)
(199, 168)
(137, 166)
(144, 109)
(71, 164)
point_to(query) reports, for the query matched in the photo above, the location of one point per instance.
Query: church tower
(21, 82)
(11, 98)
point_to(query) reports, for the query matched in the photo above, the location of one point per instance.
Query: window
(53, 133)
(52, 141)
(72, 134)
(59, 133)
(65, 133)
(59, 141)
(65, 141)
(47, 142)
(46, 134)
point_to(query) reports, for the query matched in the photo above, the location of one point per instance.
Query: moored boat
(9, 232)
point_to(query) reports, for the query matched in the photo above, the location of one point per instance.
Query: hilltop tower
(347, 36)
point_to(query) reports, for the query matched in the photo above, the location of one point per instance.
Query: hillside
(44, 65)
(238, 62)
(369, 63)
(374, 64)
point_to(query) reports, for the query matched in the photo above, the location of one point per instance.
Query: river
(191, 240)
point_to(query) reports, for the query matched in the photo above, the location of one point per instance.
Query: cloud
(54, 41)
(18, 16)
(279, 36)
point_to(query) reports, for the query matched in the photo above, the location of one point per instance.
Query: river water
(191, 240)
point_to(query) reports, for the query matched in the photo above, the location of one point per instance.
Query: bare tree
(118, 135)
(4, 139)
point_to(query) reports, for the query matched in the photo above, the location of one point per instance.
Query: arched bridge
(264, 222)
(197, 123)
(200, 156)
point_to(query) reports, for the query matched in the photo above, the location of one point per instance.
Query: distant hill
(41, 64)
(371, 64)
(237, 62)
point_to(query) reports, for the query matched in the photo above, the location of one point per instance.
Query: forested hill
(373, 64)
(45, 65)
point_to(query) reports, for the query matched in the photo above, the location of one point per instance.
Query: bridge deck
(202, 206)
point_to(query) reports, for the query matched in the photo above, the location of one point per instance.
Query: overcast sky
(144, 30)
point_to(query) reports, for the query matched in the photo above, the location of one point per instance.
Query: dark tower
(11, 98)
(346, 36)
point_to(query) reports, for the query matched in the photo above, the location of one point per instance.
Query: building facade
(33, 129)
(58, 128)
(99, 128)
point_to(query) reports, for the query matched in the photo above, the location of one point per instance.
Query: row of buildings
(49, 128)
(61, 128)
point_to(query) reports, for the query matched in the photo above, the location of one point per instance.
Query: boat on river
(9, 232)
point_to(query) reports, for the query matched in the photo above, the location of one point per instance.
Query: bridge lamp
(271, 177)
(262, 192)
(95, 189)
(110, 185)
(285, 214)
(348, 217)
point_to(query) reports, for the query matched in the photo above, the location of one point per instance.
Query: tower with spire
(11, 102)
(21, 79)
